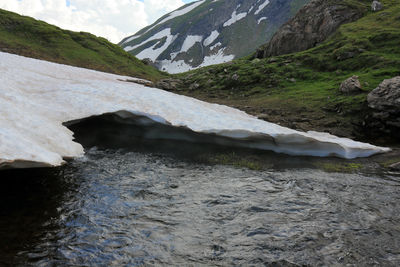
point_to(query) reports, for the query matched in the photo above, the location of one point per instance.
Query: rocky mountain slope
(33, 38)
(209, 32)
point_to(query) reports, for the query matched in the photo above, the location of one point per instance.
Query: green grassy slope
(32, 38)
(301, 90)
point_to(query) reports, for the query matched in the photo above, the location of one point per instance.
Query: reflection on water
(115, 208)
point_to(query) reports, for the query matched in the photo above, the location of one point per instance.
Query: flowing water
(142, 207)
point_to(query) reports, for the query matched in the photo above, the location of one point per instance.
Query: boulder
(376, 6)
(168, 84)
(385, 102)
(351, 85)
(313, 24)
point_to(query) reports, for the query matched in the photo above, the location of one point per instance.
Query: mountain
(33, 38)
(301, 90)
(209, 32)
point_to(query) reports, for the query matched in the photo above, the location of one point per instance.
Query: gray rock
(194, 86)
(376, 6)
(385, 102)
(386, 97)
(313, 24)
(168, 84)
(351, 85)
(138, 81)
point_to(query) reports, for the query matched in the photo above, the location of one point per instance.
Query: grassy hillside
(301, 90)
(32, 38)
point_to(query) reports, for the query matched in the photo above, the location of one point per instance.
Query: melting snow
(234, 18)
(152, 53)
(36, 97)
(190, 41)
(210, 39)
(261, 19)
(214, 46)
(217, 58)
(261, 7)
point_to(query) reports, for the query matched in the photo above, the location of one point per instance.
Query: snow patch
(153, 53)
(36, 97)
(261, 7)
(176, 66)
(217, 58)
(234, 18)
(261, 19)
(190, 41)
(211, 38)
(214, 46)
(159, 35)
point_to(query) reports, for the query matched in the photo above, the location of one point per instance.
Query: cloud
(111, 19)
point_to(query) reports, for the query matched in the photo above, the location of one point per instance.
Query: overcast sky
(112, 19)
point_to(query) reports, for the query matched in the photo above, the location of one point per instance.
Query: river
(140, 207)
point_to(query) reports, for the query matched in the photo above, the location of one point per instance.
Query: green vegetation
(301, 90)
(236, 160)
(32, 38)
(339, 167)
(387, 162)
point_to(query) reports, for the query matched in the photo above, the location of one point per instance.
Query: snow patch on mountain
(234, 18)
(159, 35)
(217, 58)
(261, 19)
(216, 45)
(211, 38)
(152, 52)
(261, 7)
(190, 41)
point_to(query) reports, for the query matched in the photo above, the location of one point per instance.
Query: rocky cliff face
(210, 32)
(312, 25)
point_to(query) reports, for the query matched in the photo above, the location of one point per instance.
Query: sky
(112, 19)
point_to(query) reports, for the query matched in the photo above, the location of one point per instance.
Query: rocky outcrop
(168, 84)
(385, 103)
(313, 24)
(376, 6)
(351, 85)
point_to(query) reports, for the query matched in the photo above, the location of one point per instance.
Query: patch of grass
(32, 38)
(233, 159)
(389, 162)
(339, 167)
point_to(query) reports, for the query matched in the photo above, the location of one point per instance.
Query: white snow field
(37, 97)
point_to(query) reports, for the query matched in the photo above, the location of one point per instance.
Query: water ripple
(115, 208)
